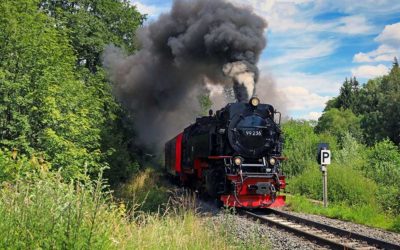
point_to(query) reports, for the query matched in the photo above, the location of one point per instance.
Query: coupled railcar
(233, 155)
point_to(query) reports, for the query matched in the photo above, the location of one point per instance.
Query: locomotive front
(255, 147)
(234, 155)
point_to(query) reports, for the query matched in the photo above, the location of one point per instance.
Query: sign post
(324, 159)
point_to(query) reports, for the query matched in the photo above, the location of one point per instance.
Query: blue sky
(313, 45)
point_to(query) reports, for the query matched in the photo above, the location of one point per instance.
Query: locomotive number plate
(253, 133)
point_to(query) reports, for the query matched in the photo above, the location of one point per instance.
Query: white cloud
(326, 83)
(353, 25)
(300, 99)
(288, 15)
(390, 35)
(315, 49)
(389, 48)
(384, 53)
(362, 57)
(370, 71)
(369, 7)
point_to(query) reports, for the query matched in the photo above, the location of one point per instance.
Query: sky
(313, 45)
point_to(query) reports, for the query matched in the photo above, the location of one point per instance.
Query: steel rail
(333, 237)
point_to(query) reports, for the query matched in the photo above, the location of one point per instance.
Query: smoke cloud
(198, 43)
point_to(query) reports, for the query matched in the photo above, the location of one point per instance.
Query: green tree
(395, 63)
(45, 109)
(338, 122)
(376, 104)
(379, 105)
(348, 96)
(93, 24)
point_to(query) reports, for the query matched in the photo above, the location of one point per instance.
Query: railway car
(233, 155)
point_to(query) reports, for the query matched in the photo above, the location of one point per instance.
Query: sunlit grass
(43, 211)
(363, 214)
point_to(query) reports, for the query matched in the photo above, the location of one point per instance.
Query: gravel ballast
(352, 227)
(244, 229)
(280, 239)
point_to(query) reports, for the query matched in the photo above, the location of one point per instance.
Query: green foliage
(383, 166)
(55, 100)
(205, 104)
(396, 224)
(376, 104)
(383, 163)
(42, 211)
(45, 108)
(146, 190)
(379, 98)
(351, 153)
(338, 122)
(93, 24)
(363, 214)
(347, 98)
(345, 185)
(301, 146)
(14, 167)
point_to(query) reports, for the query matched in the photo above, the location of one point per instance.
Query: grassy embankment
(352, 197)
(42, 210)
(366, 215)
(362, 181)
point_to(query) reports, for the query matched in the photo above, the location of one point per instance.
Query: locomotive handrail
(218, 157)
(253, 165)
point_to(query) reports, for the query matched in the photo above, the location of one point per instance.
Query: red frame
(178, 153)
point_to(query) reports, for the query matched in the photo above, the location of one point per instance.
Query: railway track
(322, 234)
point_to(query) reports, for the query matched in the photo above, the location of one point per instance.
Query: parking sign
(325, 157)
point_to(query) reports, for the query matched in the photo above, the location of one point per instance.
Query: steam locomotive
(233, 155)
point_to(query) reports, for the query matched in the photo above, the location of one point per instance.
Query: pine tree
(395, 63)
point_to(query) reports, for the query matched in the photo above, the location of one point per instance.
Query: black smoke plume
(196, 40)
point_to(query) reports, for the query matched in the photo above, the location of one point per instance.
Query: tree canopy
(55, 101)
(375, 104)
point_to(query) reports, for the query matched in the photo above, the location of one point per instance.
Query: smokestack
(196, 40)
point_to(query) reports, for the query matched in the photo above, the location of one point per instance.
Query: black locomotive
(233, 155)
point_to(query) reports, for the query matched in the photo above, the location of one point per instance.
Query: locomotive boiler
(233, 155)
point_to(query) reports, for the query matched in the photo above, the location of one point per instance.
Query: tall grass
(147, 190)
(42, 211)
(345, 185)
(366, 214)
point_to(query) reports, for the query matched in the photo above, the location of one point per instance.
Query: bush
(383, 164)
(12, 168)
(145, 189)
(345, 185)
(41, 211)
(339, 122)
(352, 152)
(396, 224)
(301, 146)
(388, 198)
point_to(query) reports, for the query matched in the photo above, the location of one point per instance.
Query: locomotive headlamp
(237, 161)
(272, 161)
(254, 101)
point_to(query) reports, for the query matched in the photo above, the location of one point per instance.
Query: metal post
(325, 184)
